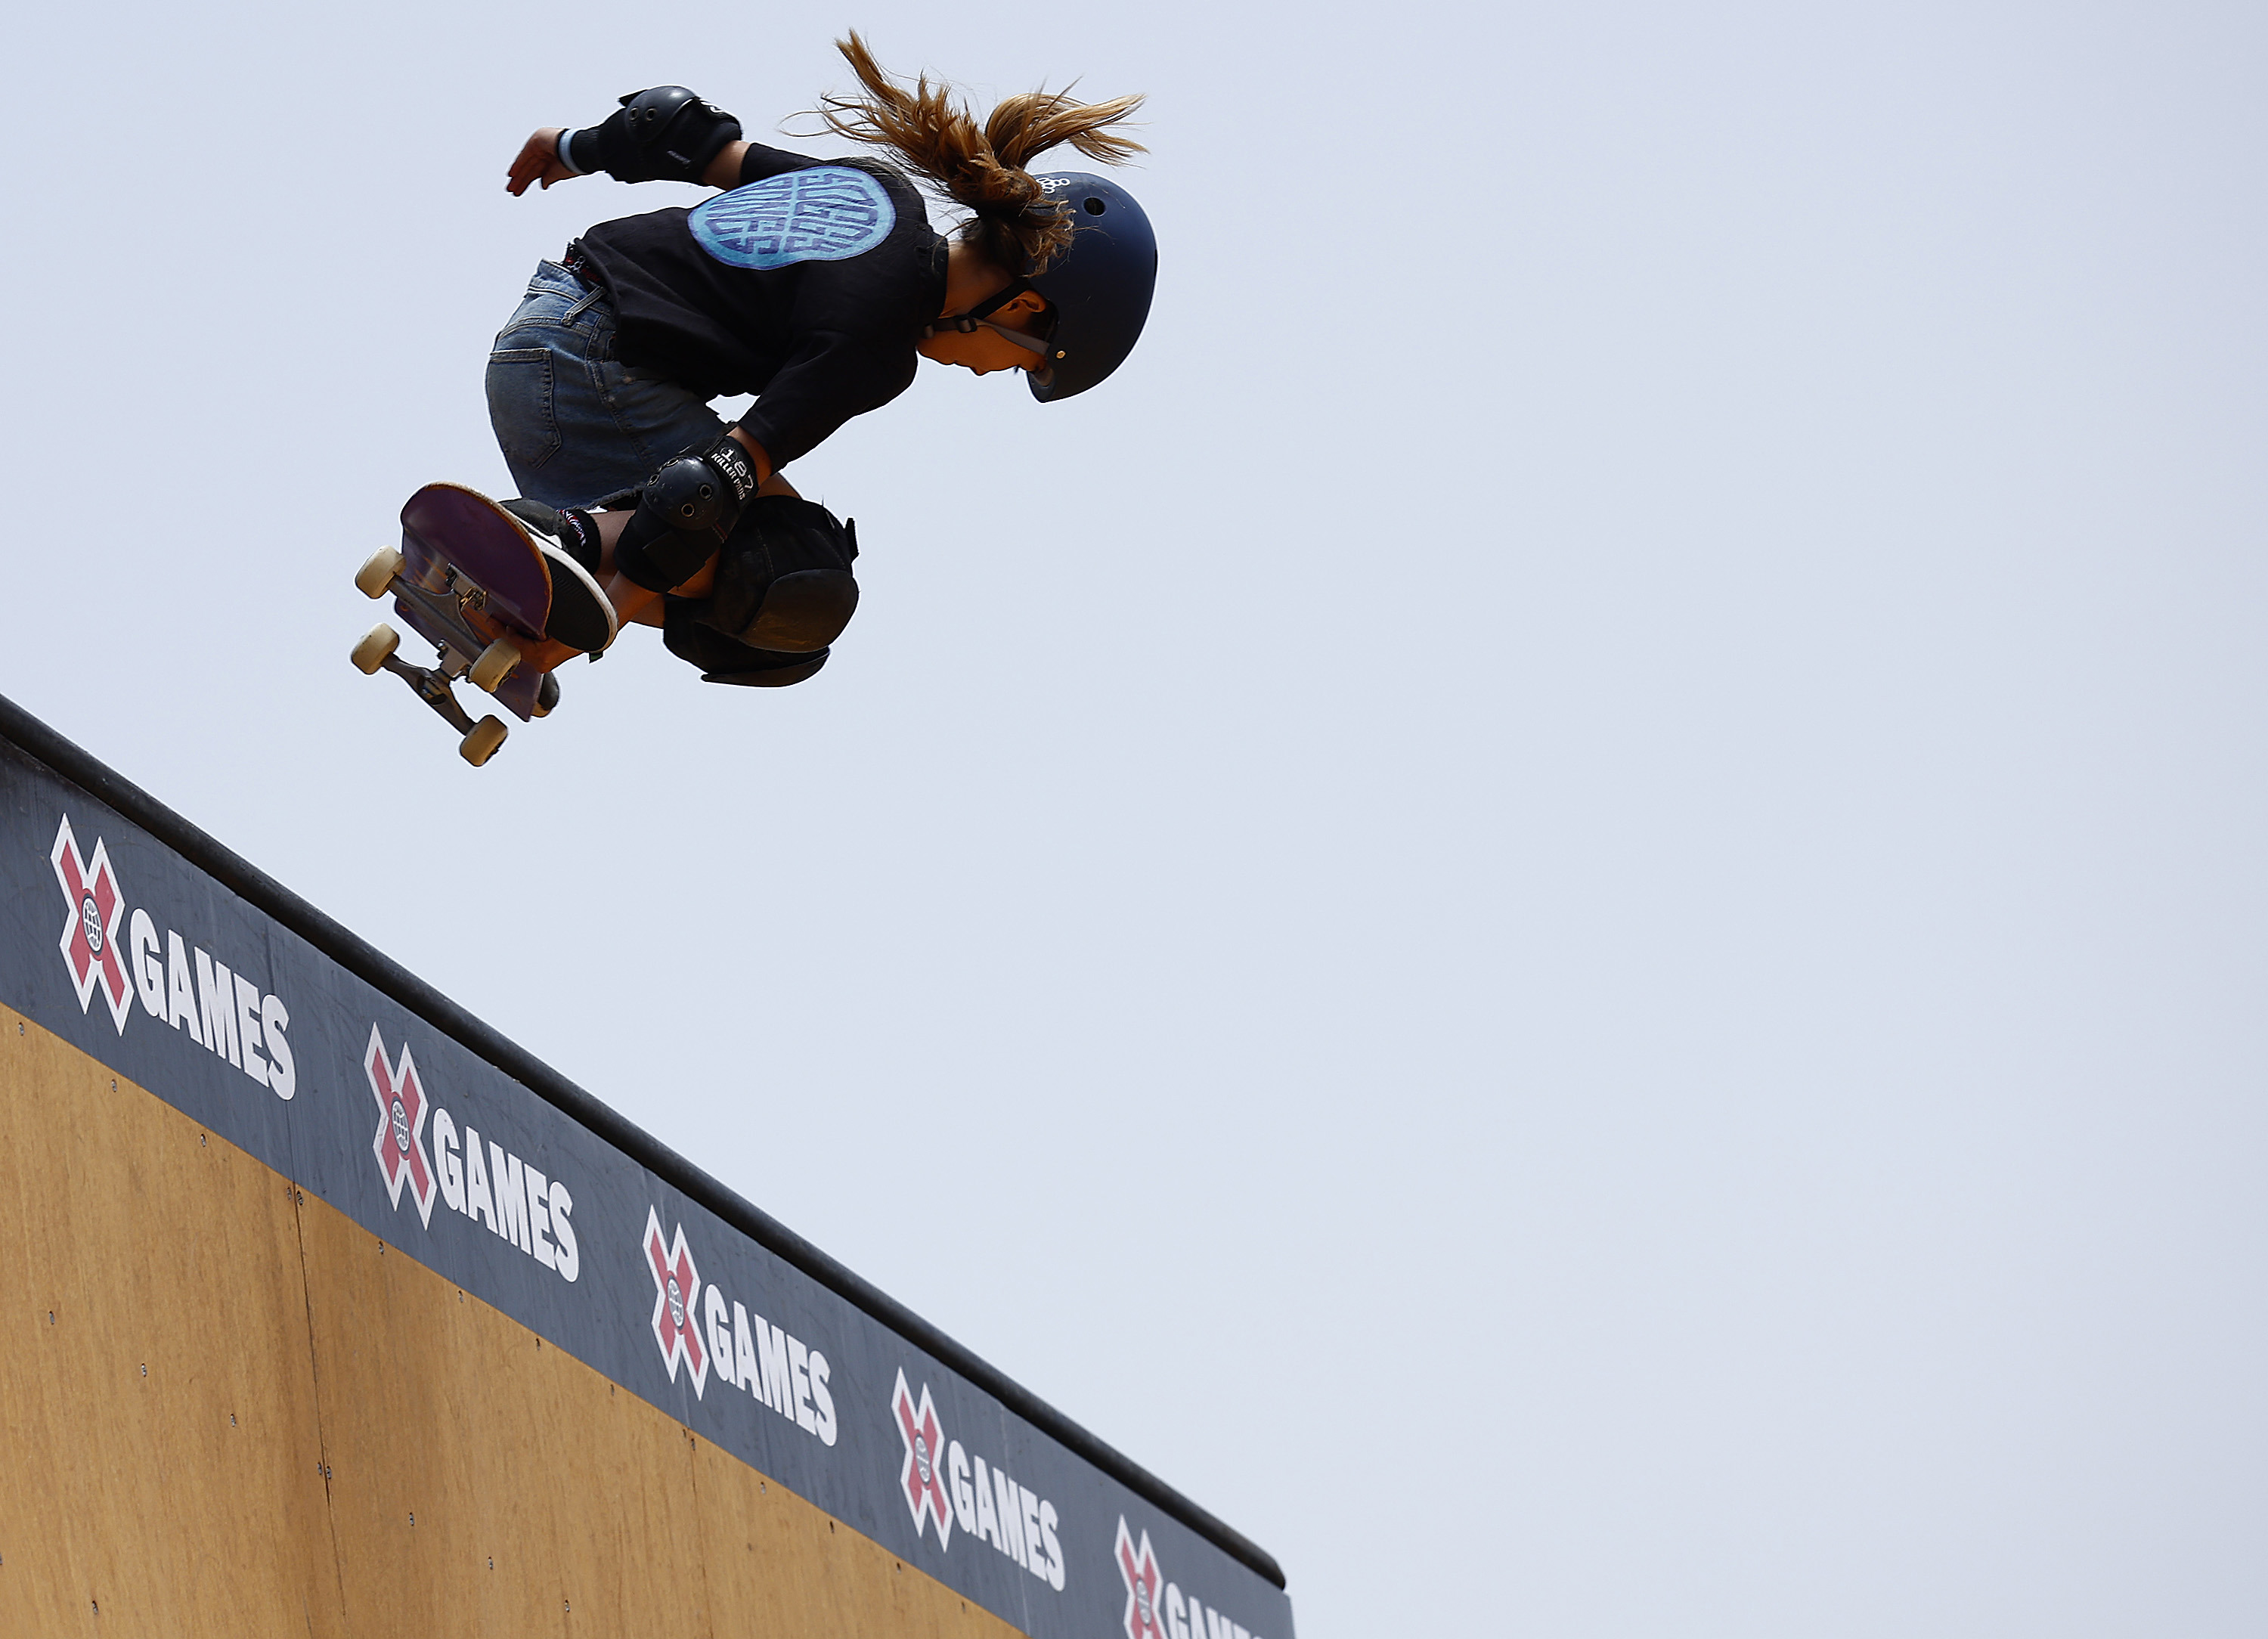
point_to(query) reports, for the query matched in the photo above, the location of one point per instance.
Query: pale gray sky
(1567, 908)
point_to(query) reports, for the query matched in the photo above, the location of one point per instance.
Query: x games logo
(128, 956)
(946, 1484)
(1156, 1607)
(923, 1476)
(90, 942)
(400, 1140)
(1146, 1612)
(676, 1284)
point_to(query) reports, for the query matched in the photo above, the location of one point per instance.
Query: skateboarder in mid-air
(815, 285)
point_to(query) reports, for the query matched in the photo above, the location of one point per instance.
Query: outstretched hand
(538, 162)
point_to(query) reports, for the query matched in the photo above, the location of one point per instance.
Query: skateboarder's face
(984, 350)
(970, 283)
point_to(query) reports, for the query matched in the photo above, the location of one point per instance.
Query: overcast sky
(1565, 908)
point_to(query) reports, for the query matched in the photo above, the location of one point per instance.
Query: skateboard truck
(461, 651)
(375, 653)
(471, 580)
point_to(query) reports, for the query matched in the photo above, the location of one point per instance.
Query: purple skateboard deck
(457, 542)
(448, 530)
(472, 581)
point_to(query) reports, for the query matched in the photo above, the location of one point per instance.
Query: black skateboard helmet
(1098, 293)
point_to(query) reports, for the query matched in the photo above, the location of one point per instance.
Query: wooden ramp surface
(227, 1409)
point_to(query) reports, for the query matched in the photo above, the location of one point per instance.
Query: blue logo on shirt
(828, 213)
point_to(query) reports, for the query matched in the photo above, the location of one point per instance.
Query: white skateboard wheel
(479, 746)
(495, 665)
(379, 642)
(378, 574)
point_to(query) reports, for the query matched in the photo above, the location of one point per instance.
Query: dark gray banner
(111, 940)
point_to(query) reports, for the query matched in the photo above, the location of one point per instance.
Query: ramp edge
(35, 739)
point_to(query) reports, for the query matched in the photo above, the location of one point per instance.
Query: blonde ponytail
(985, 167)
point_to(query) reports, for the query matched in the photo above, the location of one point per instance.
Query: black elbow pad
(664, 135)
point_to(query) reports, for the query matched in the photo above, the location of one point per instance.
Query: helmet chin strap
(967, 323)
(1029, 343)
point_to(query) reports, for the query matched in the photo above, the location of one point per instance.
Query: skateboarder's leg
(782, 582)
(592, 542)
(581, 545)
(763, 612)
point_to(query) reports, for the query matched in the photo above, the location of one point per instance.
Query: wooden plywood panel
(330, 1438)
(777, 1565)
(544, 1495)
(539, 1489)
(158, 1451)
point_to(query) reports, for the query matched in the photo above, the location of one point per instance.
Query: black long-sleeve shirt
(807, 285)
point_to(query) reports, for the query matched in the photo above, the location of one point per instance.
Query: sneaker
(575, 536)
(582, 615)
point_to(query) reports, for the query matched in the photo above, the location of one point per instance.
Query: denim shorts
(573, 423)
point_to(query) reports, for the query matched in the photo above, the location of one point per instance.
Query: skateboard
(471, 580)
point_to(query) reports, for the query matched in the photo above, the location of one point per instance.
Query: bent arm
(665, 133)
(724, 170)
(538, 161)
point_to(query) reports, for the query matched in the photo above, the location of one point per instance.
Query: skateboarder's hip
(573, 423)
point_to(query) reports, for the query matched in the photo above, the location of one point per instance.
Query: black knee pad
(783, 579)
(723, 660)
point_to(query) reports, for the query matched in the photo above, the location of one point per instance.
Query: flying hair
(984, 167)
